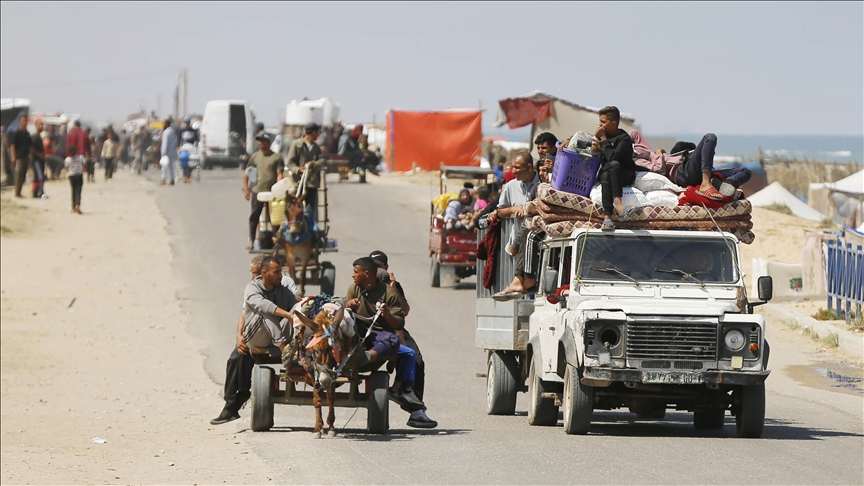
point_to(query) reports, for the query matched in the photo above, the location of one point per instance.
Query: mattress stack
(559, 213)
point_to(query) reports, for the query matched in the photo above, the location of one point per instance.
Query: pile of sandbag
(658, 208)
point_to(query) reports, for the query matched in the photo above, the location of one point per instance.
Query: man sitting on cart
(305, 156)
(265, 328)
(363, 297)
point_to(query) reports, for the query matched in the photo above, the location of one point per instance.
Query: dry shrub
(796, 175)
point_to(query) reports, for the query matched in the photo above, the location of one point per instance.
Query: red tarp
(525, 111)
(428, 139)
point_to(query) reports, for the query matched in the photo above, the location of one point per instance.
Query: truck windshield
(635, 258)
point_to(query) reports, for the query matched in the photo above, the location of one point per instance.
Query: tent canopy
(428, 139)
(776, 194)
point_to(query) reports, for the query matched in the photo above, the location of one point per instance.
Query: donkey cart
(315, 271)
(272, 384)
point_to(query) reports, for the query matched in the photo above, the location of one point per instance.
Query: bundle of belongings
(658, 205)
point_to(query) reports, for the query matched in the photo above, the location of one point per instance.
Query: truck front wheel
(578, 403)
(541, 410)
(750, 419)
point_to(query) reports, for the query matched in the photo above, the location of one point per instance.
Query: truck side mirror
(550, 280)
(765, 288)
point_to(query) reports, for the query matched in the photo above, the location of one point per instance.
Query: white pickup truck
(643, 319)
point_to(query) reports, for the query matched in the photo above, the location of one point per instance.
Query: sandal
(711, 193)
(505, 295)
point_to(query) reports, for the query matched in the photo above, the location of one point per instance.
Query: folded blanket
(565, 228)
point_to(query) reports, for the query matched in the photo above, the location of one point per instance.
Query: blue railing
(845, 277)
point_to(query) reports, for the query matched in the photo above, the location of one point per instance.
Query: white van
(227, 133)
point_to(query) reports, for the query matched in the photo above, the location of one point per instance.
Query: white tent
(842, 201)
(775, 193)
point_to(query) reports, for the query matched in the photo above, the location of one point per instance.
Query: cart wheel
(262, 399)
(501, 385)
(378, 406)
(327, 278)
(435, 272)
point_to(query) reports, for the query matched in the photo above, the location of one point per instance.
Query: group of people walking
(51, 149)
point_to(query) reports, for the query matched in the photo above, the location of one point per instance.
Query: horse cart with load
(453, 251)
(306, 235)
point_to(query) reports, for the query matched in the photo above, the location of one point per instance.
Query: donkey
(319, 346)
(297, 240)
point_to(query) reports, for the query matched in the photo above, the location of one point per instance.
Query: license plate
(672, 377)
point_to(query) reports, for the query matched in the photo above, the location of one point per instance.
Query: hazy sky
(733, 68)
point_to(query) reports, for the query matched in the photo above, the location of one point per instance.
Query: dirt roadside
(94, 345)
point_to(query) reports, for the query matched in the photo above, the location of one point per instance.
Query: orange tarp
(431, 138)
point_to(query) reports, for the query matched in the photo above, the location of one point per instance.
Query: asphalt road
(813, 432)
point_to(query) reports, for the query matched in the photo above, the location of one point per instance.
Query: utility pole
(185, 92)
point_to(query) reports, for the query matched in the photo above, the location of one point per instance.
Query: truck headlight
(734, 340)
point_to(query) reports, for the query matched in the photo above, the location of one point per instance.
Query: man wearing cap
(408, 345)
(305, 155)
(268, 166)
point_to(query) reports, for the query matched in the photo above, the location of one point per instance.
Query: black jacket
(618, 147)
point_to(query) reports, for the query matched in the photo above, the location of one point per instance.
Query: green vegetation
(832, 340)
(826, 315)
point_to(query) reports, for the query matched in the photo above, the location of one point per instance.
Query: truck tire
(435, 272)
(327, 279)
(541, 411)
(578, 403)
(378, 406)
(262, 398)
(501, 385)
(750, 419)
(709, 418)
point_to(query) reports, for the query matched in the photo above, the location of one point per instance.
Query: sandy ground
(81, 297)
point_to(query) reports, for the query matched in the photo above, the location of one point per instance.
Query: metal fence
(845, 277)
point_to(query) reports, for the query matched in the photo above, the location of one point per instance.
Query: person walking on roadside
(38, 160)
(169, 150)
(268, 167)
(110, 149)
(75, 168)
(21, 148)
(90, 157)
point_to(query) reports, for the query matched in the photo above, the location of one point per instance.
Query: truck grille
(672, 340)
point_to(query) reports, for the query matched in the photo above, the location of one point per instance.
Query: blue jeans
(700, 161)
(406, 366)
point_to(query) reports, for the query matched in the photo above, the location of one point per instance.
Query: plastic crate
(574, 172)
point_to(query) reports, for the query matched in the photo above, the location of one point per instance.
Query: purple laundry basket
(575, 173)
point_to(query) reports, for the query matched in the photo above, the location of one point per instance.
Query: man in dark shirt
(617, 169)
(363, 297)
(409, 346)
(20, 148)
(37, 152)
(305, 156)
